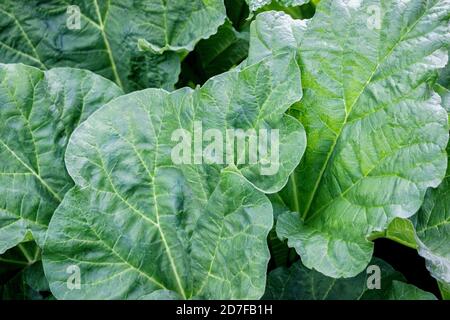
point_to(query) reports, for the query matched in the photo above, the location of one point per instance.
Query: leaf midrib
(28, 40)
(101, 25)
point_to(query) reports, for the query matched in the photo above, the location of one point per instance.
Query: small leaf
(445, 290)
(402, 231)
(28, 284)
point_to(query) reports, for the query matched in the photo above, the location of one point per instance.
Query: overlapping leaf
(21, 274)
(301, 283)
(46, 34)
(217, 54)
(28, 284)
(432, 226)
(138, 225)
(445, 290)
(38, 112)
(432, 222)
(376, 131)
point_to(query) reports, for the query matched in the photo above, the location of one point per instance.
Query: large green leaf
(432, 222)
(433, 230)
(376, 130)
(38, 112)
(301, 283)
(428, 231)
(138, 225)
(37, 32)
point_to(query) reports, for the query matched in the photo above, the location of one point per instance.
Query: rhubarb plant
(224, 149)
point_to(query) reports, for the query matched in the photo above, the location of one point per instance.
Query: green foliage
(97, 96)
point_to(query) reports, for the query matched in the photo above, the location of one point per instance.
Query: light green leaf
(432, 225)
(301, 283)
(402, 231)
(273, 33)
(376, 131)
(137, 222)
(39, 110)
(445, 96)
(45, 34)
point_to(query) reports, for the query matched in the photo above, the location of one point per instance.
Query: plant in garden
(95, 202)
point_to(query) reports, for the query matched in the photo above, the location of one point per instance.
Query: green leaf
(402, 231)
(39, 110)
(376, 130)
(444, 76)
(273, 33)
(161, 295)
(28, 284)
(137, 222)
(445, 97)
(404, 291)
(16, 259)
(432, 225)
(445, 290)
(432, 222)
(300, 283)
(219, 53)
(21, 274)
(280, 253)
(237, 12)
(257, 4)
(44, 34)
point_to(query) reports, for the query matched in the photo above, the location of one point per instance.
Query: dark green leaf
(44, 34)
